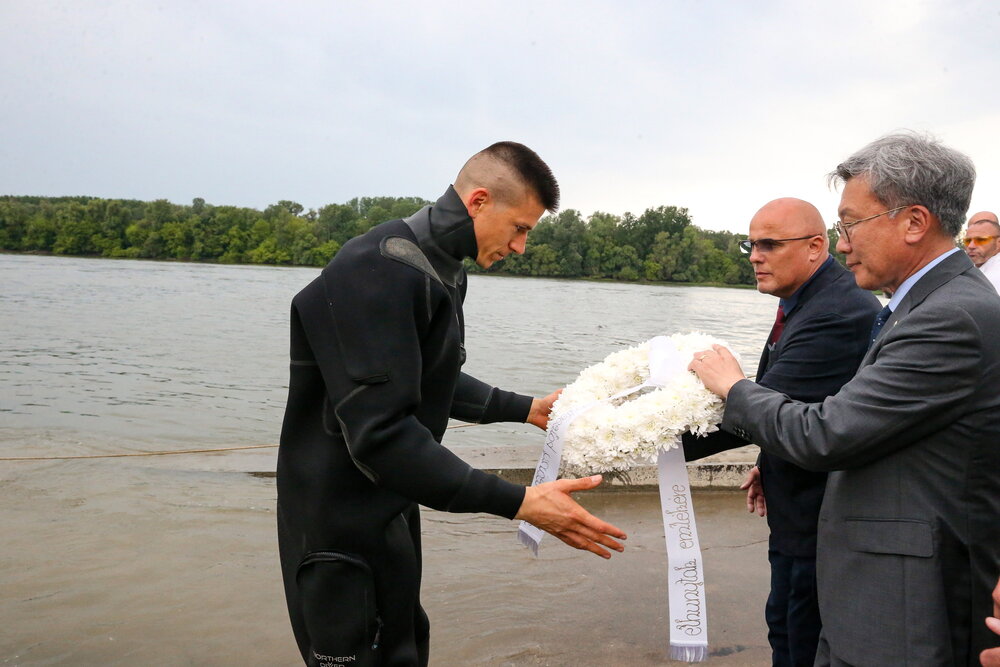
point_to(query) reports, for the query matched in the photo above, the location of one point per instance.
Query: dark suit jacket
(909, 532)
(825, 338)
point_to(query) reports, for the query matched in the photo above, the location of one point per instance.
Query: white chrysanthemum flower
(614, 436)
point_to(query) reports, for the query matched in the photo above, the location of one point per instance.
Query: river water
(172, 560)
(169, 354)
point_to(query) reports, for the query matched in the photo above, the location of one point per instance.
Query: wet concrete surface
(572, 608)
(173, 561)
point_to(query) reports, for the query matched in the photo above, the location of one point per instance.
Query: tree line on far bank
(662, 244)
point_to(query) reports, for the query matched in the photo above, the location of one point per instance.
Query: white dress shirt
(991, 269)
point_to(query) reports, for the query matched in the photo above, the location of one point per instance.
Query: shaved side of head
(512, 173)
(485, 171)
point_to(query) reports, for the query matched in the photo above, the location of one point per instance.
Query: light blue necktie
(880, 320)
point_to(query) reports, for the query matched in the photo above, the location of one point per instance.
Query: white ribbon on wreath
(593, 429)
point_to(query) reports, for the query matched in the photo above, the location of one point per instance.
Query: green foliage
(661, 245)
(834, 237)
(284, 233)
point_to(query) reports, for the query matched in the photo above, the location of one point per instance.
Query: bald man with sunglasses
(982, 245)
(819, 338)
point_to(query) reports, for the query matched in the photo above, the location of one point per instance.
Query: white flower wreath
(614, 436)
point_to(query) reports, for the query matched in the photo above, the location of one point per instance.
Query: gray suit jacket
(909, 531)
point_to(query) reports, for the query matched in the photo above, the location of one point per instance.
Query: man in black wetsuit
(376, 356)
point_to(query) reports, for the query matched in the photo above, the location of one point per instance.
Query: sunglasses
(767, 245)
(977, 241)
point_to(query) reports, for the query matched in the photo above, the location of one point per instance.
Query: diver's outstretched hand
(550, 507)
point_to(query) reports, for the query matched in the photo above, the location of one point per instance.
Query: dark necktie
(779, 326)
(880, 320)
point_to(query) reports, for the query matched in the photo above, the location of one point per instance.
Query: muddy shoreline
(173, 561)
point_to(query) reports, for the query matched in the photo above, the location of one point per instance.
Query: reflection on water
(176, 353)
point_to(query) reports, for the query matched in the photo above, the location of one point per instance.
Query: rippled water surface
(177, 353)
(170, 560)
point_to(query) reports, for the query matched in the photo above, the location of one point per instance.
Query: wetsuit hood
(446, 235)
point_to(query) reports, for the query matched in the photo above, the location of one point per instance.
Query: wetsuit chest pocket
(337, 593)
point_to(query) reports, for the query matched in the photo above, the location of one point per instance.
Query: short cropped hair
(911, 168)
(530, 168)
(986, 221)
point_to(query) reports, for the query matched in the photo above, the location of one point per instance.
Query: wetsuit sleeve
(698, 447)
(477, 402)
(378, 325)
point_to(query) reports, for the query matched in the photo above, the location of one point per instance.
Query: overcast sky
(714, 106)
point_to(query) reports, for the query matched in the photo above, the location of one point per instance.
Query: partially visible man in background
(819, 337)
(982, 244)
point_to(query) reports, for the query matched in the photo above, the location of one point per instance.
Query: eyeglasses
(767, 245)
(842, 226)
(977, 240)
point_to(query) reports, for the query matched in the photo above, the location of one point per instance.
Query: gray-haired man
(909, 531)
